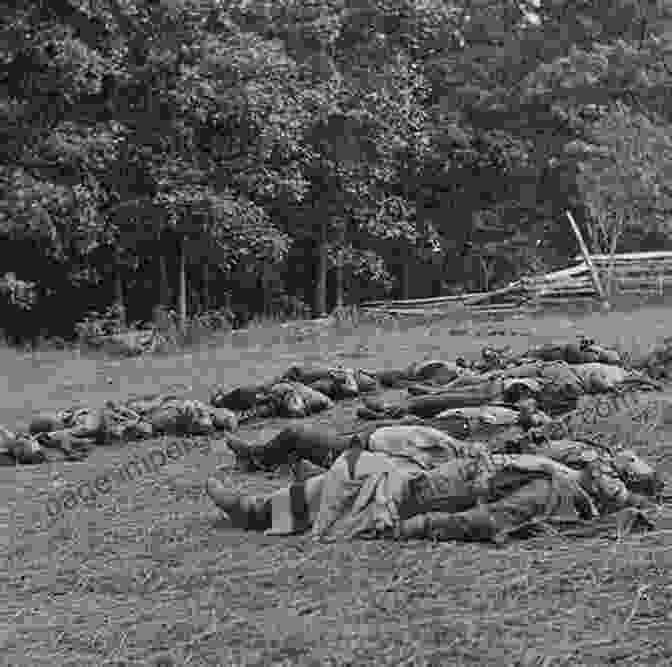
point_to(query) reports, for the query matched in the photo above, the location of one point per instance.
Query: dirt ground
(150, 574)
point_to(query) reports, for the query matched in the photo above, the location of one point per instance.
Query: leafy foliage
(382, 135)
(624, 177)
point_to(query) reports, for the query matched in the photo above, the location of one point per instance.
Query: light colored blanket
(366, 493)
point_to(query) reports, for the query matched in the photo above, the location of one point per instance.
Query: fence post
(588, 260)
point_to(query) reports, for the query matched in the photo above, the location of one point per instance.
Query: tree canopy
(177, 151)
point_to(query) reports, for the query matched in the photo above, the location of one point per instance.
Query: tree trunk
(265, 291)
(321, 287)
(195, 298)
(165, 297)
(405, 279)
(340, 286)
(182, 308)
(206, 286)
(119, 300)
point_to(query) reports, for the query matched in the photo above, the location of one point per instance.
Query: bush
(92, 330)
(221, 319)
(164, 334)
(196, 329)
(166, 322)
(291, 307)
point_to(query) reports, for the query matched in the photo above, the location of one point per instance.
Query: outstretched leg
(291, 444)
(430, 405)
(539, 498)
(287, 511)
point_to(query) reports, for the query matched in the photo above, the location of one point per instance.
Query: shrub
(92, 330)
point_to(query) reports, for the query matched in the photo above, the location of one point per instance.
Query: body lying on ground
(555, 385)
(71, 434)
(658, 362)
(415, 481)
(436, 372)
(301, 391)
(555, 374)
(504, 428)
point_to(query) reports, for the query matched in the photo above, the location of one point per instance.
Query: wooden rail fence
(636, 272)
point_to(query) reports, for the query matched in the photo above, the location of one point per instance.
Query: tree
(204, 141)
(624, 178)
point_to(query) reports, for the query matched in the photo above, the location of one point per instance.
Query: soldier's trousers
(294, 443)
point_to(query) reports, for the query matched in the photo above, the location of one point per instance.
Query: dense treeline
(291, 154)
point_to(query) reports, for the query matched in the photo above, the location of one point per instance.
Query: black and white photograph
(335, 333)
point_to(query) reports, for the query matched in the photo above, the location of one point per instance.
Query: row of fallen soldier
(553, 375)
(71, 434)
(414, 481)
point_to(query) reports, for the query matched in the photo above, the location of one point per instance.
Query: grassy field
(151, 574)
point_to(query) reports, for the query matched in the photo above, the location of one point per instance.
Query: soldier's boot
(245, 512)
(413, 528)
(250, 456)
(26, 450)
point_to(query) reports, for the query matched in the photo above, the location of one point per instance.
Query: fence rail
(645, 272)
